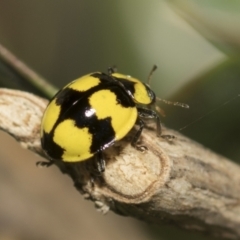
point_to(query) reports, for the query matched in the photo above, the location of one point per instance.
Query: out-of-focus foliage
(207, 93)
(64, 40)
(217, 20)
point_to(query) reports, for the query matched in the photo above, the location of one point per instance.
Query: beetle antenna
(154, 68)
(179, 104)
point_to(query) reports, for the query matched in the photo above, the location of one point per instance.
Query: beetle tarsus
(42, 164)
(138, 134)
(99, 163)
(168, 137)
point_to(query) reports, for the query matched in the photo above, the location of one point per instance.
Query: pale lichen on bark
(178, 182)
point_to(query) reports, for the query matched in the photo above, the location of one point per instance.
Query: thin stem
(31, 76)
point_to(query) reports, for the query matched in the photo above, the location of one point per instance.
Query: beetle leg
(149, 113)
(137, 135)
(44, 163)
(99, 163)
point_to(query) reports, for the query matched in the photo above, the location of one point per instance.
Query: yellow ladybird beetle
(93, 112)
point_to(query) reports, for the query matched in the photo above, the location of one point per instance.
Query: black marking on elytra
(121, 91)
(67, 97)
(101, 130)
(122, 97)
(75, 105)
(130, 86)
(103, 135)
(51, 148)
(103, 77)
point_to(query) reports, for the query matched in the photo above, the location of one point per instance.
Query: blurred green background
(196, 45)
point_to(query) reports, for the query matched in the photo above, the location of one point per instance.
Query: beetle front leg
(137, 136)
(99, 163)
(44, 163)
(149, 113)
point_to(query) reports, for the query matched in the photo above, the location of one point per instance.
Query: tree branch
(178, 182)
